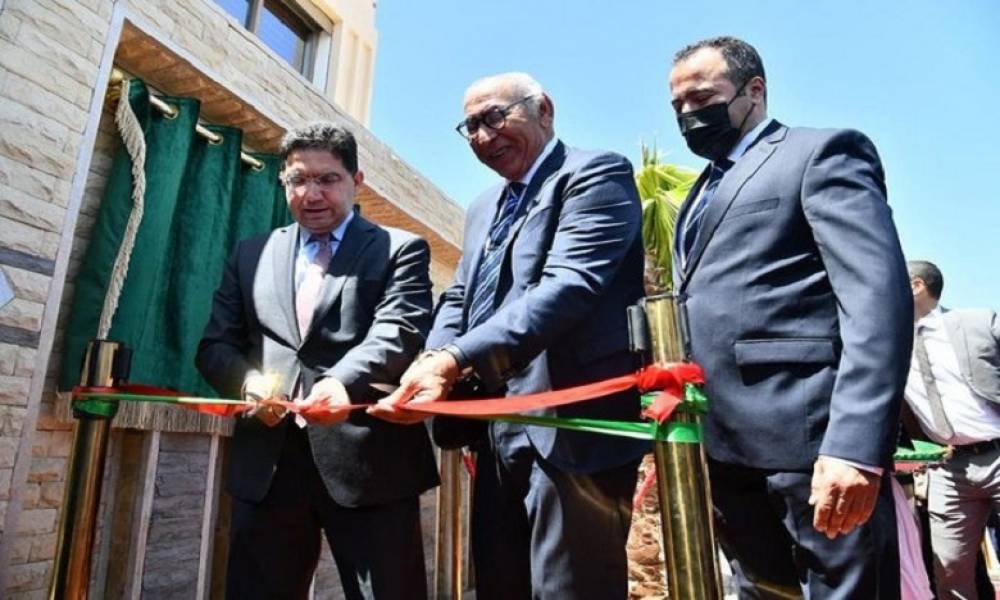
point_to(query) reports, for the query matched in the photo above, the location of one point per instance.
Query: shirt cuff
(857, 465)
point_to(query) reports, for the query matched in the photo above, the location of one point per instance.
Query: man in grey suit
(318, 312)
(552, 257)
(795, 289)
(954, 392)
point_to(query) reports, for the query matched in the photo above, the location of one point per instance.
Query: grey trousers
(961, 495)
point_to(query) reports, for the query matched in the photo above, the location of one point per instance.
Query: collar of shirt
(751, 136)
(546, 151)
(931, 319)
(306, 252)
(335, 236)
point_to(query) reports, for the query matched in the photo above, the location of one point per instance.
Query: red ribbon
(669, 378)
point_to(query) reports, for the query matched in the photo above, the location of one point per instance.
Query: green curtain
(200, 199)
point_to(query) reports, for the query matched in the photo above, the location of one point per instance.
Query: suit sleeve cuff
(862, 467)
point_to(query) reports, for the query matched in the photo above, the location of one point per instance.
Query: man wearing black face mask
(799, 309)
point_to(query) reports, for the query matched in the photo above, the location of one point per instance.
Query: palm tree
(662, 188)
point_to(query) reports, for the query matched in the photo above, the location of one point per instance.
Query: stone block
(33, 182)
(25, 362)
(31, 493)
(25, 238)
(56, 25)
(5, 477)
(31, 211)
(22, 313)
(37, 520)
(40, 443)
(11, 421)
(77, 12)
(60, 444)
(29, 139)
(8, 452)
(80, 69)
(27, 577)
(47, 469)
(25, 91)
(20, 550)
(14, 390)
(8, 352)
(43, 547)
(42, 594)
(184, 442)
(51, 494)
(47, 419)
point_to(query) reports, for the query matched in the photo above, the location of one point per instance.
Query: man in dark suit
(318, 312)
(552, 257)
(799, 310)
(953, 395)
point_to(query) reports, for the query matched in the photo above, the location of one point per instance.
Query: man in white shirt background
(953, 391)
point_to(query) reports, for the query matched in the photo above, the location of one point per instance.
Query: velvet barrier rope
(677, 385)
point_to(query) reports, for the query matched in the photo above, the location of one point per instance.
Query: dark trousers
(765, 526)
(540, 532)
(275, 544)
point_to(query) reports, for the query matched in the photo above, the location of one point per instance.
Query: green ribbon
(676, 432)
(94, 408)
(695, 402)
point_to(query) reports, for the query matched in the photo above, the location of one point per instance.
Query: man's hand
(258, 389)
(843, 495)
(327, 403)
(429, 379)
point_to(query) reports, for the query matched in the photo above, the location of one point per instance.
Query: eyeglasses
(495, 118)
(324, 180)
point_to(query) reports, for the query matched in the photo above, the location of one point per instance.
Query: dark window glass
(284, 32)
(240, 9)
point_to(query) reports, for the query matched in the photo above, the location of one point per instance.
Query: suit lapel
(356, 238)
(479, 226)
(729, 189)
(682, 216)
(549, 167)
(283, 273)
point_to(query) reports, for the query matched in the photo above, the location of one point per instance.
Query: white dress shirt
(306, 252)
(735, 154)
(972, 417)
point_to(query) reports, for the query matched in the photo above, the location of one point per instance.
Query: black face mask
(708, 131)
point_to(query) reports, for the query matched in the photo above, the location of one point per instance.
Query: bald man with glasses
(552, 257)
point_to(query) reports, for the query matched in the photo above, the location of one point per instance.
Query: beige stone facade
(162, 522)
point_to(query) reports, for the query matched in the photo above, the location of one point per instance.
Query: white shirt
(306, 252)
(546, 151)
(972, 417)
(735, 154)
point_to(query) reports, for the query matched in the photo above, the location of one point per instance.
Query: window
(291, 35)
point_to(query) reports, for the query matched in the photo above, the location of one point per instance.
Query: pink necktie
(308, 293)
(305, 303)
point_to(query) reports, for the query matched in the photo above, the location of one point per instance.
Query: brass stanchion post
(689, 547)
(105, 364)
(448, 540)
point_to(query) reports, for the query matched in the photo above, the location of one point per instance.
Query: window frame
(311, 41)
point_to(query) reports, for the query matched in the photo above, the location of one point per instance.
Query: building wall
(56, 144)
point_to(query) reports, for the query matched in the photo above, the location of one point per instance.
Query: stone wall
(55, 152)
(50, 53)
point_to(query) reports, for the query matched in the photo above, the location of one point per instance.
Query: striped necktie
(488, 274)
(692, 226)
(308, 293)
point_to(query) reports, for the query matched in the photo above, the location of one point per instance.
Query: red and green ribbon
(676, 386)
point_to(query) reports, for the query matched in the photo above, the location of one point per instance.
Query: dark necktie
(488, 274)
(693, 223)
(942, 426)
